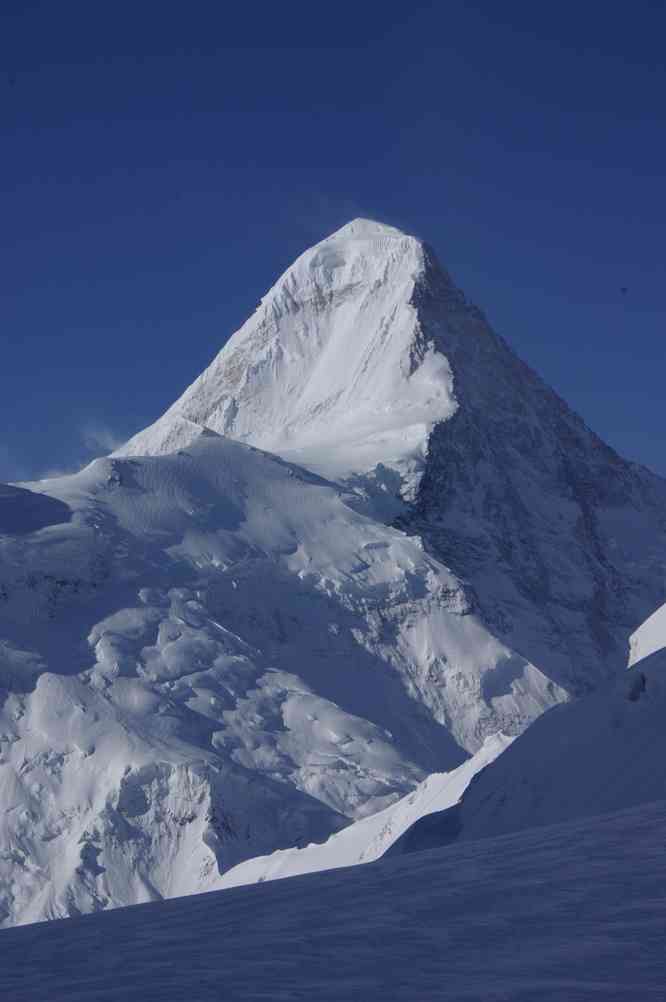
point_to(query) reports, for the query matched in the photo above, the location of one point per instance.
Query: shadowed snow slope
(600, 753)
(574, 911)
(365, 362)
(217, 657)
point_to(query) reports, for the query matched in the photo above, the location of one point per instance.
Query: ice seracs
(209, 655)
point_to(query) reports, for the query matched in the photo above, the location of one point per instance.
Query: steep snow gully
(350, 565)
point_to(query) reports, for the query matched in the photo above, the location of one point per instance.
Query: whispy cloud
(91, 440)
(99, 438)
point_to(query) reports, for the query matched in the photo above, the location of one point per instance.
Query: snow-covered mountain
(209, 652)
(210, 655)
(603, 752)
(332, 371)
(365, 362)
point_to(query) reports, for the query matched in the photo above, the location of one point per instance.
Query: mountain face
(333, 370)
(368, 839)
(210, 651)
(365, 362)
(600, 753)
(561, 541)
(210, 655)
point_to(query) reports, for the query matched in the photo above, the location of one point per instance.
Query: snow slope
(332, 370)
(368, 839)
(604, 752)
(209, 655)
(364, 362)
(649, 638)
(574, 911)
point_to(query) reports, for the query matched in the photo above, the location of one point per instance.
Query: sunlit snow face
(332, 371)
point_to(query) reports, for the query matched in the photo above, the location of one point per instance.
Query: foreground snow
(574, 911)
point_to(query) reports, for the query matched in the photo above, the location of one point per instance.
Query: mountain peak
(333, 370)
(361, 251)
(366, 229)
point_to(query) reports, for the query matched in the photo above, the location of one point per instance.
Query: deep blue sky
(162, 163)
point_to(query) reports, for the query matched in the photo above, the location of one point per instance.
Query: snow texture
(368, 839)
(332, 371)
(210, 655)
(603, 752)
(648, 638)
(365, 363)
(573, 911)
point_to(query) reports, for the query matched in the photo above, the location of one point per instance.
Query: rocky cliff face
(562, 543)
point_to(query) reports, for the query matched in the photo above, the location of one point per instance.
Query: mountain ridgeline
(561, 542)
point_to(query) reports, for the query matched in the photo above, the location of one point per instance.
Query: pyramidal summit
(365, 550)
(333, 370)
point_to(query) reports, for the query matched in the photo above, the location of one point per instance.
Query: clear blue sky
(162, 163)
